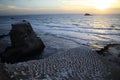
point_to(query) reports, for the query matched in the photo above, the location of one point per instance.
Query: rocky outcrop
(111, 52)
(24, 43)
(87, 14)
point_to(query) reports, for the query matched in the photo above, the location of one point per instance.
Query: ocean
(61, 32)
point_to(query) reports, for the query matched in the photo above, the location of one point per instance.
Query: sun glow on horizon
(59, 6)
(103, 4)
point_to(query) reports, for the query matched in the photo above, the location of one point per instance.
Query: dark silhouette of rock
(87, 14)
(24, 43)
(12, 18)
(111, 52)
(113, 49)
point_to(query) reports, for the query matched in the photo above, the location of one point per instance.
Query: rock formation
(111, 52)
(24, 43)
(87, 14)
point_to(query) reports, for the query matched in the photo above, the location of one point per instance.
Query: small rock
(87, 14)
(12, 18)
(15, 73)
(23, 73)
(11, 76)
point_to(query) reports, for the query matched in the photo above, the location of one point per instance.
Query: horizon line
(60, 14)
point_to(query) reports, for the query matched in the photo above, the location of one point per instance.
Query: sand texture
(74, 64)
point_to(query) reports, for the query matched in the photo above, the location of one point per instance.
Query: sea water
(60, 32)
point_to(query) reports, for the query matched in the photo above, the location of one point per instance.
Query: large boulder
(111, 52)
(24, 43)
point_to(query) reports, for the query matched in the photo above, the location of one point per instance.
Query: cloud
(77, 5)
(7, 7)
(76, 2)
(11, 7)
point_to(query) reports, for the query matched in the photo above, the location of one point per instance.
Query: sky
(14, 7)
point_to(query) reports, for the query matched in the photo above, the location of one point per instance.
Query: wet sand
(74, 64)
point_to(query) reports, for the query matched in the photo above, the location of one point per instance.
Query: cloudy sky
(12, 7)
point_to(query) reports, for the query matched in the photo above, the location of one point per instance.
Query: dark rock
(111, 52)
(23, 20)
(113, 49)
(112, 26)
(12, 18)
(3, 73)
(87, 14)
(24, 43)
